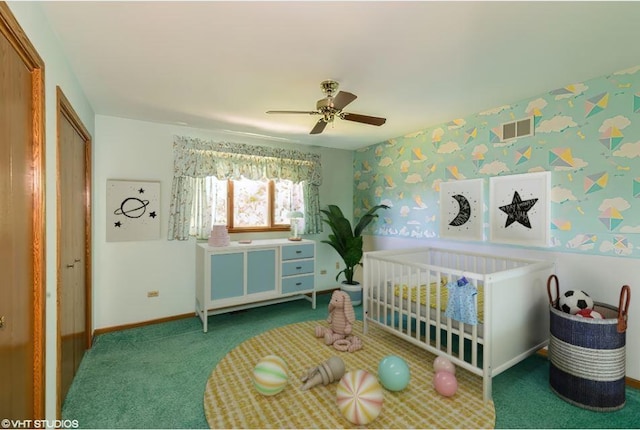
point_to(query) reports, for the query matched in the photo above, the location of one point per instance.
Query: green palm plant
(347, 242)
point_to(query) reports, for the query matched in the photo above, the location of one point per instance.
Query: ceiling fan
(331, 107)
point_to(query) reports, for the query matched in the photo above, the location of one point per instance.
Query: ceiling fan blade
(319, 127)
(308, 112)
(342, 99)
(365, 119)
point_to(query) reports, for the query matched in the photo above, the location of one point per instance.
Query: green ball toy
(393, 373)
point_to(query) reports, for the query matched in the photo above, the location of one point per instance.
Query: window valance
(196, 158)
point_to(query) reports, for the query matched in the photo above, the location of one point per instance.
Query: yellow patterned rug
(230, 401)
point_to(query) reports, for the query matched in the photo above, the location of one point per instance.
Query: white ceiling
(221, 65)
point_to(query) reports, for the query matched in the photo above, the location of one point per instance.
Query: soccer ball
(589, 313)
(574, 301)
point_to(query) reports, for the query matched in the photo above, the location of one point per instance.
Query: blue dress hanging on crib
(461, 305)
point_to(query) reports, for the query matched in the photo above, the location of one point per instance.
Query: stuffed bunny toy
(341, 317)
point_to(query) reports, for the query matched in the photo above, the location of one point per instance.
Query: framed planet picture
(461, 209)
(519, 209)
(133, 210)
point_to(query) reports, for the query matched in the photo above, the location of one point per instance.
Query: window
(198, 199)
(250, 205)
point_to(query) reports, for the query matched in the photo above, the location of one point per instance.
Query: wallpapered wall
(587, 134)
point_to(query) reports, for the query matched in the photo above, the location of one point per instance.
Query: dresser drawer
(297, 251)
(297, 267)
(298, 283)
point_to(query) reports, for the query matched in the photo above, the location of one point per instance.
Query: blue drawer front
(297, 268)
(298, 283)
(297, 251)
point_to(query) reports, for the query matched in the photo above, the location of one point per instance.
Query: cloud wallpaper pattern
(587, 134)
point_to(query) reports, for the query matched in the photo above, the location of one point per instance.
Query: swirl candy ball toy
(359, 397)
(270, 375)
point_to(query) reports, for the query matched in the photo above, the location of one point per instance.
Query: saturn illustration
(132, 207)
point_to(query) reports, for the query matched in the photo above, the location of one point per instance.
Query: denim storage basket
(587, 355)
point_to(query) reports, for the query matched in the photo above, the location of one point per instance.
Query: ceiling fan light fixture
(329, 87)
(330, 107)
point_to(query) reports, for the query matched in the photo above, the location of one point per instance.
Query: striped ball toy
(270, 375)
(359, 397)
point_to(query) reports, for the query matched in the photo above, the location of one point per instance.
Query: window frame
(271, 226)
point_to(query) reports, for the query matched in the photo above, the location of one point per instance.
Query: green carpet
(155, 376)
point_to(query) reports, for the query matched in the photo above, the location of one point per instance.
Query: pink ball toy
(445, 383)
(441, 364)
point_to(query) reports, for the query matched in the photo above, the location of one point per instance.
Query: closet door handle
(70, 266)
(77, 260)
(2, 320)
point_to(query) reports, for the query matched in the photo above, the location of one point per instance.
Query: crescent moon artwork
(461, 210)
(464, 213)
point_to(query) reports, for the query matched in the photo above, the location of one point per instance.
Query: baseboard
(634, 383)
(104, 330)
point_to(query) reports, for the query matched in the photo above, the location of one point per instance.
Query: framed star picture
(519, 209)
(133, 210)
(461, 214)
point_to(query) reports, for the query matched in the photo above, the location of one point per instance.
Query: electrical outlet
(154, 293)
(323, 271)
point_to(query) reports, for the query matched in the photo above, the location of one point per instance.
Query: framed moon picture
(133, 210)
(519, 209)
(461, 209)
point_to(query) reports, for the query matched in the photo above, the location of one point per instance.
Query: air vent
(520, 128)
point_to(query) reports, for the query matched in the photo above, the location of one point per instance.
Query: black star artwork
(152, 214)
(141, 190)
(117, 224)
(517, 210)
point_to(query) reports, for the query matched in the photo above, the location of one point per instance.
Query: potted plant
(347, 241)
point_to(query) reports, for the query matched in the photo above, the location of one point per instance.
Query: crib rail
(403, 294)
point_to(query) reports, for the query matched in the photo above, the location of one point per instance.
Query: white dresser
(241, 276)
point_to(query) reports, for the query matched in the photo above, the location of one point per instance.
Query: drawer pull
(298, 252)
(298, 267)
(298, 283)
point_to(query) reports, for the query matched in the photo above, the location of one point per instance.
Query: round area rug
(231, 401)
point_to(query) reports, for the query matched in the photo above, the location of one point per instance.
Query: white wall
(57, 73)
(125, 271)
(601, 276)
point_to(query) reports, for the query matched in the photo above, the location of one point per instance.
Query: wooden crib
(405, 293)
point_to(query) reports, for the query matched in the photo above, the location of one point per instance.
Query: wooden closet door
(74, 244)
(21, 228)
